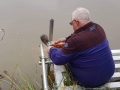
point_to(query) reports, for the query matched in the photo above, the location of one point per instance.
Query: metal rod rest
(46, 62)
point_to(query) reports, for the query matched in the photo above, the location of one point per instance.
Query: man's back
(92, 64)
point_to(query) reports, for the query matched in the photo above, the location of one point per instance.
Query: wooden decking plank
(113, 85)
(117, 66)
(115, 77)
(115, 52)
(116, 58)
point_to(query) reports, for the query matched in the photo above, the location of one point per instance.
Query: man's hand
(48, 49)
(61, 40)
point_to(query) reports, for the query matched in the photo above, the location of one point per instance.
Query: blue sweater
(91, 62)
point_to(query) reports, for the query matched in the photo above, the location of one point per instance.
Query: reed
(23, 83)
(20, 82)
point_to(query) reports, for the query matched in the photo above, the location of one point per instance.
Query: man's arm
(58, 57)
(63, 55)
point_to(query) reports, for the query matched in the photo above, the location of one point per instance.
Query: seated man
(86, 51)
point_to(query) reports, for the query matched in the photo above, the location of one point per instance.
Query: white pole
(45, 82)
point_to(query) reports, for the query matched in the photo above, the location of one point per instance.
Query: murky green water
(25, 20)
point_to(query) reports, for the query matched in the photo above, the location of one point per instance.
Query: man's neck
(83, 23)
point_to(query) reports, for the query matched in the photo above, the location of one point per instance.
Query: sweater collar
(84, 27)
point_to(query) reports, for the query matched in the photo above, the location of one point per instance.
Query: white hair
(81, 14)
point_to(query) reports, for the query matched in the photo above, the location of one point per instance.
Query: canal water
(25, 20)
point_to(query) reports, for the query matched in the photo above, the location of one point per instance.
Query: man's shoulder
(69, 38)
(97, 24)
(70, 45)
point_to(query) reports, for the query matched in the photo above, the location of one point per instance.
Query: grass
(21, 83)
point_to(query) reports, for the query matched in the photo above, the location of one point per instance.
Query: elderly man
(86, 51)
